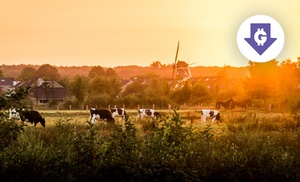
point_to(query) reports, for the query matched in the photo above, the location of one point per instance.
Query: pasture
(190, 117)
(247, 145)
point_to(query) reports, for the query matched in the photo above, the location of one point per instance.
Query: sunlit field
(247, 145)
(191, 117)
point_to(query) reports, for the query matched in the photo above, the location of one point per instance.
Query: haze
(135, 32)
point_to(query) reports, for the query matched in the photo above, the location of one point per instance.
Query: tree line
(272, 82)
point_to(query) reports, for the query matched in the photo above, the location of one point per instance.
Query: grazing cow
(225, 104)
(101, 114)
(213, 114)
(148, 113)
(33, 117)
(118, 112)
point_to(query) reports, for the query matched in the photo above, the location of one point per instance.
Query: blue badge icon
(260, 39)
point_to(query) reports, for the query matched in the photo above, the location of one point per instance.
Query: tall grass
(252, 148)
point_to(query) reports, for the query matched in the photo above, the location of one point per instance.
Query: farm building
(7, 84)
(43, 92)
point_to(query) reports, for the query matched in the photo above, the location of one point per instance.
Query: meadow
(247, 145)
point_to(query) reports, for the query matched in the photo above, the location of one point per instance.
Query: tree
(28, 73)
(96, 71)
(111, 73)
(136, 87)
(79, 88)
(156, 64)
(263, 82)
(156, 92)
(47, 72)
(289, 77)
(182, 95)
(199, 94)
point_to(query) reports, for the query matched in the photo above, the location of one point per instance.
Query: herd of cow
(34, 117)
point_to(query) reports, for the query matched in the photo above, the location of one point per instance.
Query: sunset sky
(136, 32)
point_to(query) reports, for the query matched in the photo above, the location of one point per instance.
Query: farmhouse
(43, 92)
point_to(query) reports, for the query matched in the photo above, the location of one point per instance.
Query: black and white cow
(13, 113)
(101, 114)
(118, 112)
(147, 113)
(213, 114)
(33, 117)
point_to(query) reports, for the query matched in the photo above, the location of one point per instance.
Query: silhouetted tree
(79, 88)
(28, 73)
(111, 73)
(156, 64)
(96, 71)
(47, 72)
(182, 95)
(199, 94)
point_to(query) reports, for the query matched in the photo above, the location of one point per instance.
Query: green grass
(245, 146)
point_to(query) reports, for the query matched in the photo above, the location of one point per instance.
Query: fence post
(70, 106)
(87, 107)
(123, 106)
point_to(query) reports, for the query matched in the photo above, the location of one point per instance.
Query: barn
(43, 92)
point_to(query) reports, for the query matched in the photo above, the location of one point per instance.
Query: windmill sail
(176, 56)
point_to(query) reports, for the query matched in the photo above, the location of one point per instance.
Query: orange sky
(135, 32)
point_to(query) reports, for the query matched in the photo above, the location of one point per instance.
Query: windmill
(181, 68)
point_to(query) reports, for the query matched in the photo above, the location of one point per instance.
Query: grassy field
(247, 145)
(188, 116)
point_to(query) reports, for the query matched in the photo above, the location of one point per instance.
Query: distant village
(42, 92)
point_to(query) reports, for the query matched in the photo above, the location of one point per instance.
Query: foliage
(47, 72)
(14, 98)
(289, 91)
(254, 148)
(103, 87)
(269, 83)
(156, 64)
(147, 92)
(9, 130)
(79, 88)
(96, 71)
(28, 73)
(262, 83)
(191, 93)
